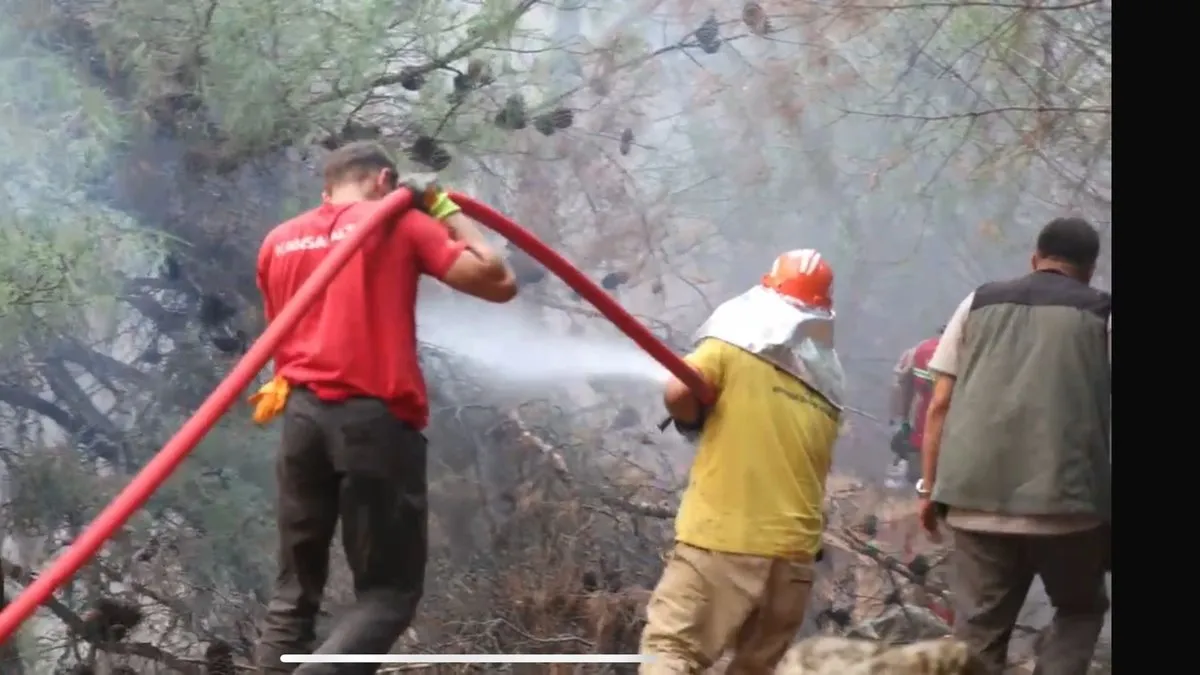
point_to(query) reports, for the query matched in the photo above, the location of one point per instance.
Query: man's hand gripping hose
(431, 198)
(176, 450)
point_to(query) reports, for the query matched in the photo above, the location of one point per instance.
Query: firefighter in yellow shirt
(750, 522)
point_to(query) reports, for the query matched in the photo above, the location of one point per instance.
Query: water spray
(391, 209)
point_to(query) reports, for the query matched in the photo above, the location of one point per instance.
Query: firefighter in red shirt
(353, 403)
(910, 400)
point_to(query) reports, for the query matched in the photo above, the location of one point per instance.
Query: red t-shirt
(359, 338)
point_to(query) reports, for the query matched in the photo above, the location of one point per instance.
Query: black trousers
(356, 462)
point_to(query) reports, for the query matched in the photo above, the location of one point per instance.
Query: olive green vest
(1027, 432)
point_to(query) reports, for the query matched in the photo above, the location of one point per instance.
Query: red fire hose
(160, 468)
(588, 290)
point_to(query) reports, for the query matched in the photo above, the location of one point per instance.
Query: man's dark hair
(356, 161)
(1070, 240)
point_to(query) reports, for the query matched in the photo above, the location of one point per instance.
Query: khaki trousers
(993, 574)
(707, 602)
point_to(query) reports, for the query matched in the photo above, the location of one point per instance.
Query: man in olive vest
(1016, 453)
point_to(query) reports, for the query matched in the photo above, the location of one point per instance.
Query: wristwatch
(922, 491)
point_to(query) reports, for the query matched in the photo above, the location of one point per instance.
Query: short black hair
(355, 161)
(1070, 240)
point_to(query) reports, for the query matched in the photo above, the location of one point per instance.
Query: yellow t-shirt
(758, 482)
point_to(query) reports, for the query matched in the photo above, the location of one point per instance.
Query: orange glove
(270, 400)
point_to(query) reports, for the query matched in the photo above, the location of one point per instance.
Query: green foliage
(242, 76)
(225, 490)
(51, 488)
(57, 134)
(50, 117)
(996, 41)
(271, 70)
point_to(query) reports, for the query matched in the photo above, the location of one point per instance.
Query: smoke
(520, 352)
(873, 137)
(825, 138)
(841, 138)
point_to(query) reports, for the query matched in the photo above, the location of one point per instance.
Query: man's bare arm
(945, 364)
(708, 362)
(465, 230)
(480, 271)
(935, 419)
(681, 403)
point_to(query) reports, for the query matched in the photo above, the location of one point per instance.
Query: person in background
(910, 400)
(750, 522)
(1016, 451)
(353, 402)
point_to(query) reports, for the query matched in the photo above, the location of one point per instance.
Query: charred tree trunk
(10, 656)
(218, 659)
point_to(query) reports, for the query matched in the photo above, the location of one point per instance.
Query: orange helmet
(804, 275)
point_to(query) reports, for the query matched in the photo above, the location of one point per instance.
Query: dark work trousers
(355, 461)
(994, 572)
